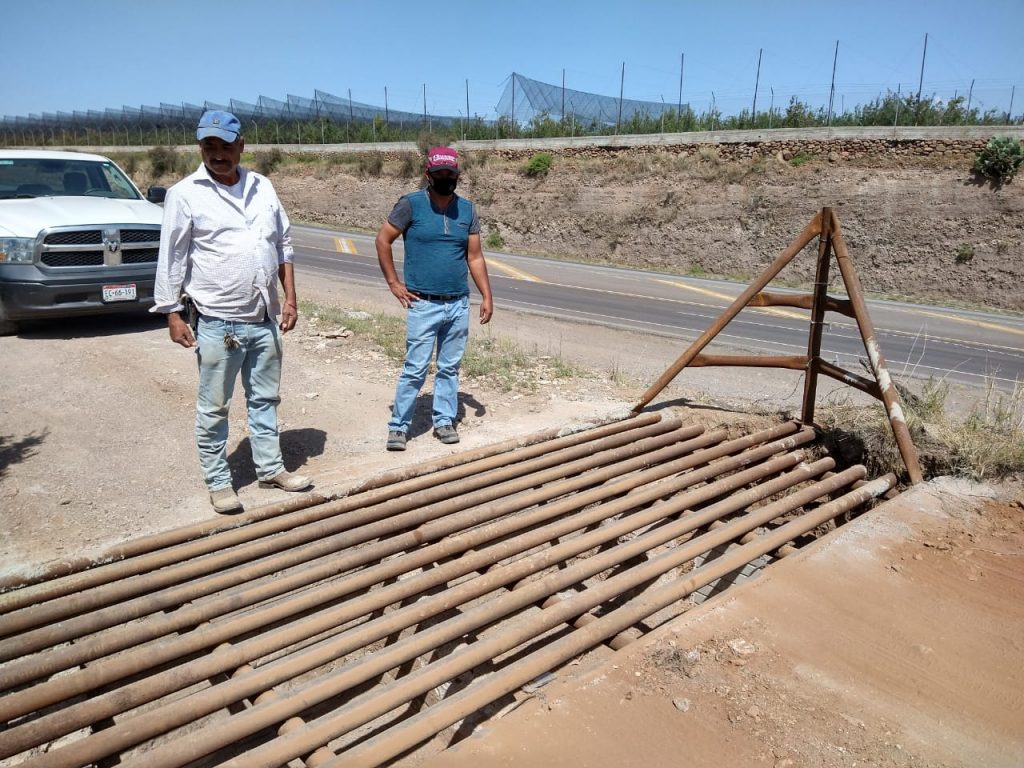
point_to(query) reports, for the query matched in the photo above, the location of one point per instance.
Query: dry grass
(987, 444)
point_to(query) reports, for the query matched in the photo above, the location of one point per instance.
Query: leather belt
(436, 296)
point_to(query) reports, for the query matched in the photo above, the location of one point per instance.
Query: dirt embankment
(918, 226)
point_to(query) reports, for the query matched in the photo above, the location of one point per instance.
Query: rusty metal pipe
(800, 301)
(11, 599)
(792, 362)
(157, 547)
(215, 698)
(809, 233)
(104, 672)
(366, 707)
(818, 308)
(493, 482)
(186, 617)
(851, 379)
(353, 673)
(891, 398)
(414, 730)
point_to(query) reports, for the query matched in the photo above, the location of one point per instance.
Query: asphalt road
(966, 347)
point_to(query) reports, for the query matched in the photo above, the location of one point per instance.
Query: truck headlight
(16, 250)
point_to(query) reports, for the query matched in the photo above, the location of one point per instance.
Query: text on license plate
(125, 292)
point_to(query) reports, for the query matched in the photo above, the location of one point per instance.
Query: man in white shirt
(224, 240)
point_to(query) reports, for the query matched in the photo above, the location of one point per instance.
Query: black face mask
(443, 186)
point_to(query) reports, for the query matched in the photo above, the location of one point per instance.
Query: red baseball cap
(442, 158)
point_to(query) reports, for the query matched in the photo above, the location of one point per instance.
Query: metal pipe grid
(350, 631)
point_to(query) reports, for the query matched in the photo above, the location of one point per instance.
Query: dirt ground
(897, 645)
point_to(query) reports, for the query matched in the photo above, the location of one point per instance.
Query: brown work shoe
(225, 501)
(287, 481)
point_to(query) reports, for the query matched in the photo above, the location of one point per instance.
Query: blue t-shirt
(436, 242)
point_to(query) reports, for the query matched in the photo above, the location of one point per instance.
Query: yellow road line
(967, 320)
(345, 245)
(518, 274)
(725, 297)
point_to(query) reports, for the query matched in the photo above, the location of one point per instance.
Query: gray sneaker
(446, 434)
(396, 441)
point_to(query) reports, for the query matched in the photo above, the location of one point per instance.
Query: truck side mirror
(156, 194)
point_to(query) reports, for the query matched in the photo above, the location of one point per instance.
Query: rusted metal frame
(403, 736)
(358, 671)
(820, 296)
(792, 362)
(287, 542)
(381, 524)
(800, 301)
(862, 383)
(890, 397)
(383, 699)
(809, 233)
(140, 692)
(158, 550)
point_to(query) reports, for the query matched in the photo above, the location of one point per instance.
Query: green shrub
(268, 162)
(965, 254)
(1000, 159)
(539, 164)
(494, 240)
(800, 158)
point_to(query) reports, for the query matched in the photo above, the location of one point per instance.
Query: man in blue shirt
(441, 232)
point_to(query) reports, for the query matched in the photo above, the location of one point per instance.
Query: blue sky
(65, 55)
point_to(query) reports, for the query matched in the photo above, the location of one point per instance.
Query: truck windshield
(46, 177)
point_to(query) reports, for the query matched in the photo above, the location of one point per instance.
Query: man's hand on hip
(403, 294)
(180, 331)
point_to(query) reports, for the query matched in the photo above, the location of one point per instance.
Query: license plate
(124, 292)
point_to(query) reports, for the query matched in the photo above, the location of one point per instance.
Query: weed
(1002, 247)
(988, 443)
(502, 363)
(494, 240)
(409, 165)
(800, 158)
(965, 254)
(269, 161)
(371, 164)
(164, 161)
(539, 164)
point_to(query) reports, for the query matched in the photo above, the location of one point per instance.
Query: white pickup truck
(76, 237)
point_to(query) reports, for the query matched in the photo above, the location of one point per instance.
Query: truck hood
(25, 218)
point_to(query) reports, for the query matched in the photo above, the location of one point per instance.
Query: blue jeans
(445, 323)
(258, 358)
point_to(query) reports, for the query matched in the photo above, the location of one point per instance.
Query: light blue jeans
(430, 322)
(258, 358)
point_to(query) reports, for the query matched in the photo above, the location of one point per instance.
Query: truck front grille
(72, 258)
(99, 246)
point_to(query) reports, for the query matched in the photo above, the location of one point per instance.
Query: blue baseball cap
(222, 125)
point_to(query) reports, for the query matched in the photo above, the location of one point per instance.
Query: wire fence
(527, 108)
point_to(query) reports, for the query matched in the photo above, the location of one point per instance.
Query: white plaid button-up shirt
(223, 250)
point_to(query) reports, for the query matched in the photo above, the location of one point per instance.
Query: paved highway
(967, 347)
